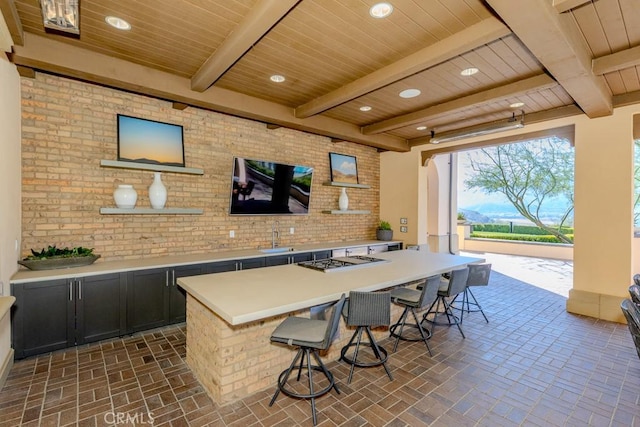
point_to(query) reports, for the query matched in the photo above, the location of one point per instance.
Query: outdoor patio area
(533, 364)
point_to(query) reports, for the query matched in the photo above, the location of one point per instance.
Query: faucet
(275, 234)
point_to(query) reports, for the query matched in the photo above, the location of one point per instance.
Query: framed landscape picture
(148, 141)
(343, 168)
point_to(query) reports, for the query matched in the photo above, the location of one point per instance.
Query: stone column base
(600, 306)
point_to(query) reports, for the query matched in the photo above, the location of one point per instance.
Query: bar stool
(456, 284)
(365, 310)
(478, 276)
(309, 335)
(412, 300)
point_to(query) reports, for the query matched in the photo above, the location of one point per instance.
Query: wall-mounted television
(148, 141)
(262, 187)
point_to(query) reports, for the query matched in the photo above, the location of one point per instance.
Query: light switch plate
(232, 234)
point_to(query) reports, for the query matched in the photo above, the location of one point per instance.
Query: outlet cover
(403, 229)
(232, 234)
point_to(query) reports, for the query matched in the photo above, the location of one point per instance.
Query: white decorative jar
(157, 192)
(125, 196)
(343, 200)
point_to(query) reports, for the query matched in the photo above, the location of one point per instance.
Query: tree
(529, 174)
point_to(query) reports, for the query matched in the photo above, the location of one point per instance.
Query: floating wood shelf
(345, 184)
(150, 211)
(347, 212)
(149, 167)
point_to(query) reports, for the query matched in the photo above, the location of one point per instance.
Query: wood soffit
(559, 57)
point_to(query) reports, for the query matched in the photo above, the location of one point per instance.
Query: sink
(276, 250)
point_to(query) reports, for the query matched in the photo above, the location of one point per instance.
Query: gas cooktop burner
(341, 264)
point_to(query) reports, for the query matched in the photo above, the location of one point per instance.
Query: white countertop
(105, 267)
(244, 296)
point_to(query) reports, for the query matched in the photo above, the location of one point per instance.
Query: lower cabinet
(288, 259)
(54, 314)
(235, 265)
(100, 307)
(154, 298)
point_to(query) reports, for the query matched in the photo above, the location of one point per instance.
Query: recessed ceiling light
(277, 78)
(469, 71)
(381, 10)
(517, 105)
(409, 93)
(365, 108)
(421, 128)
(118, 23)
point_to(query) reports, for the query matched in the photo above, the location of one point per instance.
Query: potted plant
(461, 218)
(54, 257)
(384, 231)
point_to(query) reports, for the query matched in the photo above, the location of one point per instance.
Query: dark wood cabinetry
(100, 307)
(235, 265)
(288, 259)
(55, 314)
(177, 295)
(50, 315)
(147, 299)
(154, 298)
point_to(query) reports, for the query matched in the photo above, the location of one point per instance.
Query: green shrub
(517, 229)
(547, 238)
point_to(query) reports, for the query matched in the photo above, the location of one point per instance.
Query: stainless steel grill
(341, 263)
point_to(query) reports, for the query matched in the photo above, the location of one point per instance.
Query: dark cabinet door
(395, 246)
(43, 317)
(321, 254)
(100, 307)
(277, 260)
(147, 299)
(178, 296)
(305, 256)
(221, 266)
(246, 264)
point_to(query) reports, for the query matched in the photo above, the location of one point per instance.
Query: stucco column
(603, 222)
(403, 194)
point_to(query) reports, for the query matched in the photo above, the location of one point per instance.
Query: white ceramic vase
(157, 192)
(343, 200)
(125, 196)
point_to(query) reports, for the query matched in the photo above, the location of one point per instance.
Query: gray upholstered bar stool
(412, 300)
(365, 310)
(449, 289)
(309, 335)
(478, 276)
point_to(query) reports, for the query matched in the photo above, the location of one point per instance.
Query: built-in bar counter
(119, 266)
(230, 316)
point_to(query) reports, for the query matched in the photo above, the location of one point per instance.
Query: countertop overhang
(241, 297)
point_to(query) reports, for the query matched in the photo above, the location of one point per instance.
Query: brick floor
(534, 364)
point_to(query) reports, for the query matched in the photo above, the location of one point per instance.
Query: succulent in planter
(53, 257)
(384, 231)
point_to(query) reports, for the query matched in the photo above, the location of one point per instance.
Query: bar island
(230, 316)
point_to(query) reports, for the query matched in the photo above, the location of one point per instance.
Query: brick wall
(68, 127)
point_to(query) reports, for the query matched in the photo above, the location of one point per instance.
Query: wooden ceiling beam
(555, 40)
(566, 5)
(260, 19)
(532, 84)
(616, 61)
(57, 57)
(11, 18)
(464, 41)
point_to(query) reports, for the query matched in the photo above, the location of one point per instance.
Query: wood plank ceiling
(558, 57)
